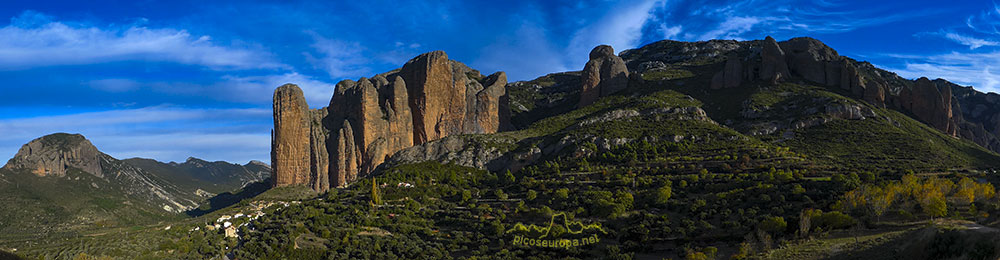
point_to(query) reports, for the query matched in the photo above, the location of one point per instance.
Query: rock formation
(60, 155)
(773, 67)
(319, 158)
(731, 76)
(370, 119)
(290, 139)
(811, 60)
(54, 154)
(930, 104)
(603, 75)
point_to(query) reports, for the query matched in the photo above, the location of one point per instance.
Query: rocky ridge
(368, 120)
(368, 123)
(56, 153)
(53, 156)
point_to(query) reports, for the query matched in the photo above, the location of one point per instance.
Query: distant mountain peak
(54, 154)
(258, 163)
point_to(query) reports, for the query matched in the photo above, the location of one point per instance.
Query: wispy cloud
(972, 42)
(750, 19)
(975, 69)
(529, 40)
(162, 133)
(976, 66)
(259, 89)
(621, 28)
(338, 58)
(36, 40)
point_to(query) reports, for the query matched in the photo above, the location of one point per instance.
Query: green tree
(774, 225)
(508, 178)
(466, 195)
(376, 199)
(562, 193)
(936, 207)
(532, 194)
(663, 194)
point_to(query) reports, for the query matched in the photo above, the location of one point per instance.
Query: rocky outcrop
(290, 138)
(604, 74)
(484, 107)
(459, 150)
(773, 67)
(54, 154)
(437, 96)
(731, 76)
(319, 158)
(368, 120)
(372, 119)
(812, 60)
(60, 155)
(930, 104)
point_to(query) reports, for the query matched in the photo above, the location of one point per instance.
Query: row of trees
(931, 195)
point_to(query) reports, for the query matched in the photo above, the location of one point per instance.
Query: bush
(775, 225)
(833, 220)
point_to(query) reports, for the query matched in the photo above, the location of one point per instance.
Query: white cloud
(340, 59)
(741, 19)
(256, 89)
(733, 28)
(972, 42)
(162, 133)
(35, 40)
(529, 40)
(621, 28)
(670, 32)
(260, 89)
(975, 69)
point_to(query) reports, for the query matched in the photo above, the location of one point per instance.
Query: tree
(625, 199)
(966, 190)
(376, 199)
(562, 193)
(878, 200)
(805, 220)
(985, 191)
(774, 225)
(936, 207)
(508, 178)
(663, 194)
(532, 194)
(833, 220)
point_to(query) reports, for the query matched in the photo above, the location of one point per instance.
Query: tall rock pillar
(290, 140)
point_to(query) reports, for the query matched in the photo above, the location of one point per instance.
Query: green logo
(568, 234)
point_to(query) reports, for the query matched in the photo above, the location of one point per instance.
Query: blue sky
(172, 79)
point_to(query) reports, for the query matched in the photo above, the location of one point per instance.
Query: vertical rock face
(290, 139)
(368, 120)
(437, 97)
(773, 66)
(484, 113)
(810, 59)
(52, 155)
(731, 76)
(603, 75)
(930, 104)
(319, 159)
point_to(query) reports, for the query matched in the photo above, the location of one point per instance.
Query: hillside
(694, 150)
(212, 177)
(60, 186)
